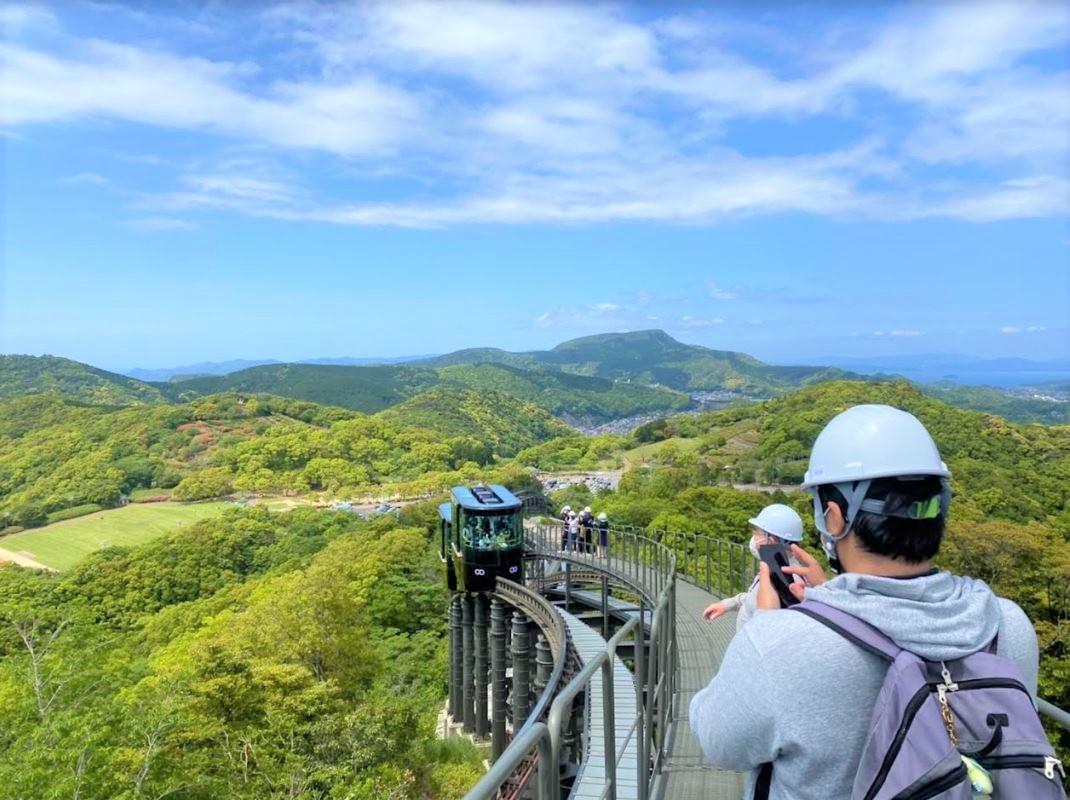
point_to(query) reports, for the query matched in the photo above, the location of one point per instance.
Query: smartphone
(776, 556)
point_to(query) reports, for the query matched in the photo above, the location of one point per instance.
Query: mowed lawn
(64, 544)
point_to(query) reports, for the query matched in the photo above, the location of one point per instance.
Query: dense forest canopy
(255, 655)
(54, 455)
(247, 657)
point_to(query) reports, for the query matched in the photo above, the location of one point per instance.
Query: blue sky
(188, 182)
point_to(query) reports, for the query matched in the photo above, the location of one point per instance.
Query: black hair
(910, 540)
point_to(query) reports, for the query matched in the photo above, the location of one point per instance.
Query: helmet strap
(855, 493)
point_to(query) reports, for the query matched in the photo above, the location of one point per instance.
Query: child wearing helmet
(793, 699)
(775, 523)
(603, 534)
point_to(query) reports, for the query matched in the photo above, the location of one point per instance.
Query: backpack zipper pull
(1050, 765)
(949, 684)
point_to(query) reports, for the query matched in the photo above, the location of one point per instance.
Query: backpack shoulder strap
(851, 628)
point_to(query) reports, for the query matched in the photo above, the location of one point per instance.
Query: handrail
(562, 703)
(553, 628)
(643, 564)
(530, 737)
(1054, 713)
(1059, 716)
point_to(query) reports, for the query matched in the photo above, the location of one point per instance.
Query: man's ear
(834, 521)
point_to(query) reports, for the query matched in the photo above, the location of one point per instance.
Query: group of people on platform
(578, 531)
(897, 680)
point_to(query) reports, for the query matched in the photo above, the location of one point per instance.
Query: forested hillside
(367, 389)
(654, 357)
(71, 380)
(55, 455)
(1010, 515)
(993, 401)
(587, 399)
(252, 656)
(500, 421)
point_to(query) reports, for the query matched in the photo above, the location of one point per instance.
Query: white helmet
(870, 441)
(602, 517)
(862, 444)
(780, 521)
(587, 510)
(565, 509)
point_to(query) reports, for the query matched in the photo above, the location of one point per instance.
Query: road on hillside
(22, 559)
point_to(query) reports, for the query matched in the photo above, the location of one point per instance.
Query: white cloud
(155, 224)
(357, 116)
(522, 113)
(583, 315)
(91, 178)
(700, 322)
(1012, 330)
(907, 333)
(16, 18)
(717, 293)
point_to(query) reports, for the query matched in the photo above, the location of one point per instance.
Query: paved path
(22, 559)
(701, 646)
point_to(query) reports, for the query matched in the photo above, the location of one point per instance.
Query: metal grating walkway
(701, 646)
(590, 782)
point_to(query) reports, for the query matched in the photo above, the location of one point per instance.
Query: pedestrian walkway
(592, 776)
(701, 646)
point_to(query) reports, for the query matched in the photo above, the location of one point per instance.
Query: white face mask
(754, 547)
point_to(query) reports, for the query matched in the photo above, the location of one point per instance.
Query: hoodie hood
(938, 617)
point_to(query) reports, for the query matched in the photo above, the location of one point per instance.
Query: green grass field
(64, 544)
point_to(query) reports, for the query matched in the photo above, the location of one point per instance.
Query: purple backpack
(929, 715)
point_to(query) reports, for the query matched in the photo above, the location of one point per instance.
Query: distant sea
(1003, 379)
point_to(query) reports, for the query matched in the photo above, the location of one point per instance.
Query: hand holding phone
(776, 557)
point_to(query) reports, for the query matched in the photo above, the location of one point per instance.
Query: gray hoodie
(791, 691)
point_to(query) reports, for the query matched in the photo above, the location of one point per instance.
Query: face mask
(829, 545)
(754, 548)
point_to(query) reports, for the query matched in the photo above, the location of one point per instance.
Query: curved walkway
(591, 780)
(700, 647)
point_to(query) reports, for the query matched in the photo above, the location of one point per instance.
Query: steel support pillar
(521, 671)
(544, 664)
(467, 693)
(498, 611)
(456, 659)
(479, 629)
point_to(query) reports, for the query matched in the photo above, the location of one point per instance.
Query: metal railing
(650, 568)
(649, 561)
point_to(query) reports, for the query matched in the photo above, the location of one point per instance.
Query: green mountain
(999, 468)
(72, 380)
(581, 397)
(367, 389)
(372, 389)
(55, 455)
(1015, 407)
(496, 419)
(653, 357)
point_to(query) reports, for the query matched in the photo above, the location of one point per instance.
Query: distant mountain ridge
(653, 357)
(588, 381)
(205, 368)
(72, 380)
(963, 370)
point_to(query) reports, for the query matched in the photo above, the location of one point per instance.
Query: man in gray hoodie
(792, 692)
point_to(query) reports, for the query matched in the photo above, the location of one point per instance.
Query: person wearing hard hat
(775, 523)
(565, 512)
(603, 534)
(586, 528)
(793, 699)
